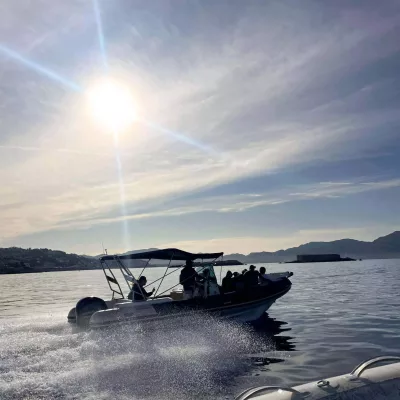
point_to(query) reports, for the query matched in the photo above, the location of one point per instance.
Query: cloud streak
(65, 213)
(248, 244)
(252, 95)
(51, 150)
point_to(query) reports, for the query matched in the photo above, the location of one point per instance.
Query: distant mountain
(17, 260)
(140, 251)
(383, 247)
(14, 260)
(128, 252)
(389, 243)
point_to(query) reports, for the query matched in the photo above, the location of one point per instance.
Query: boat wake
(43, 360)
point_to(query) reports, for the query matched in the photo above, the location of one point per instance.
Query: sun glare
(111, 105)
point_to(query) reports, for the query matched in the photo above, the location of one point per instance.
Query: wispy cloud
(67, 212)
(52, 150)
(248, 244)
(265, 95)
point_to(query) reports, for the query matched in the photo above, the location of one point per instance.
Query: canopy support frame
(128, 272)
(130, 278)
(113, 279)
(165, 272)
(204, 266)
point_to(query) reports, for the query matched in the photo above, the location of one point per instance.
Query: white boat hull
(378, 383)
(248, 313)
(144, 313)
(128, 312)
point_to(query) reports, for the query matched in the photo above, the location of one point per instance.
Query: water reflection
(269, 330)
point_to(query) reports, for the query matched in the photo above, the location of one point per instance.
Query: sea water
(335, 316)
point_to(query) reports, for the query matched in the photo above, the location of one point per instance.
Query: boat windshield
(206, 269)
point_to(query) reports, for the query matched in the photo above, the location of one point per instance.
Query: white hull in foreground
(378, 383)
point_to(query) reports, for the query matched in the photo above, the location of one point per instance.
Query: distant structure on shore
(312, 258)
(228, 262)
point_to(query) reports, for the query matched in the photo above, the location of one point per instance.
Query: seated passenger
(206, 276)
(263, 277)
(187, 279)
(203, 282)
(138, 291)
(228, 283)
(238, 281)
(251, 277)
(234, 279)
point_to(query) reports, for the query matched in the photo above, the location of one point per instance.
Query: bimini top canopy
(166, 254)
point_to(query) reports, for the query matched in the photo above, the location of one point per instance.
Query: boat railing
(357, 371)
(257, 391)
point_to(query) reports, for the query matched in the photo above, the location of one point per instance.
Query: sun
(111, 105)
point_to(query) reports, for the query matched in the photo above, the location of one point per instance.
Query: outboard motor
(72, 316)
(85, 308)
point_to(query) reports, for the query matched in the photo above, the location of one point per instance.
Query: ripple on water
(334, 317)
(45, 360)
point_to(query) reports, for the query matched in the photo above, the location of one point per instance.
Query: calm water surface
(335, 316)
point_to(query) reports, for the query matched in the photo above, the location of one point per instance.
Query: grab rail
(249, 393)
(357, 371)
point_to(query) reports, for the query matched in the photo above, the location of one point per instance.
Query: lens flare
(39, 68)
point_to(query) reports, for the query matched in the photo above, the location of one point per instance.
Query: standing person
(187, 279)
(138, 292)
(251, 277)
(228, 282)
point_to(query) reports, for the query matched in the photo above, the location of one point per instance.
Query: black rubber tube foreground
(85, 308)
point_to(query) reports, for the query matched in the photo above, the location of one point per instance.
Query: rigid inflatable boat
(245, 304)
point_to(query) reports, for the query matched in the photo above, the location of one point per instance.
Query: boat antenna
(220, 270)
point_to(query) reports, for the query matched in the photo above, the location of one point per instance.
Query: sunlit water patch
(42, 360)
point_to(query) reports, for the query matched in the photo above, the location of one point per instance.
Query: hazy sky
(262, 124)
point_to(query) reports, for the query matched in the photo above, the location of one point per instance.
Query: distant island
(383, 247)
(318, 258)
(14, 260)
(228, 262)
